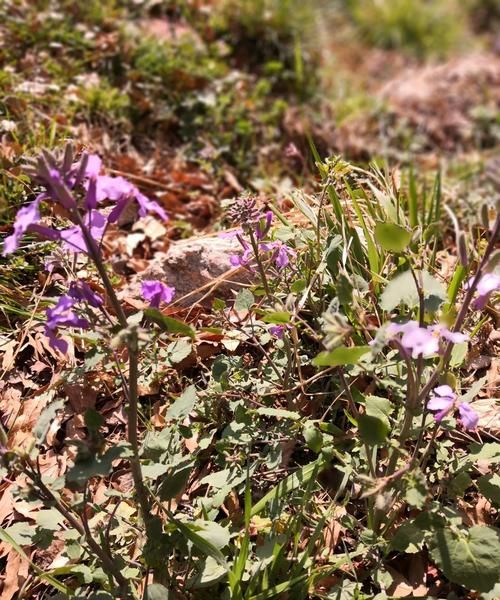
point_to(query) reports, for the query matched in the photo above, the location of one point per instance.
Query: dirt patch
(451, 107)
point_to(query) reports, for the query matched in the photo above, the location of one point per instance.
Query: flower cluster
(62, 183)
(422, 341)
(276, 251)
(444, 400)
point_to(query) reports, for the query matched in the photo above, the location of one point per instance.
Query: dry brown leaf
(16, 572)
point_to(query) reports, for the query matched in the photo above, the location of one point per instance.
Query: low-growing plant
(333, 431)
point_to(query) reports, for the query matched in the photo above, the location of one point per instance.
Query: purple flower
(452, 336)
(277, 331)
(26, 216)
(264, 225)
(489, 283)
(122, 191)
(423, 341)
(73, 237)
(81, 291)
(93, 167)
(62, 315)
(281, 253)
(418, 340)
(442, 400)
(156, 292)
(468, 415)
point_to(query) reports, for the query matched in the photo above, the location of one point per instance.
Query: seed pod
(485, 218)
(462, 249)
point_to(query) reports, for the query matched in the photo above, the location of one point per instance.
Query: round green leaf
(340, 356)
(391, 237)
(469, 558)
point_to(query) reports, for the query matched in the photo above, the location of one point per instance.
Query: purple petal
(73, 236)
(468, 415)
(80, 290)
(113, 188)
(436, 403)
(26, 216)
(55, 342)
(146, 206)
(156, 292)
(445, 391)
(277, 330)
(94, 164)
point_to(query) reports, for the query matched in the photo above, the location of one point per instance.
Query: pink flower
(443, 400)
(423, 341)
(156, 292)
(489, 283)
(468, 415)
(264, 225)
(281, 253)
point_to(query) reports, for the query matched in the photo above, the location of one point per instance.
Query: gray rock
(198, 268)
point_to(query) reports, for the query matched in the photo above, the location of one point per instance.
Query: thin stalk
(108, 563)
(260, 266)
(135, 465)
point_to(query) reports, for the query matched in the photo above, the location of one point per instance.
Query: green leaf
(244, 300)
(468, 558)
(5, 537)
(210, 573)
(313, 437)
(183, 405)
(214, 533)
(289, 484)
(199, 541)
(169, 324)
(179, 350)
(489, 486)
(277, 412)
(402, 290)
(101, 465)
(277, 318)
(340, 356)
(391, 237)
(408, 538)
(45, 419)
(373, 430)
(156, 591)
(175, 481)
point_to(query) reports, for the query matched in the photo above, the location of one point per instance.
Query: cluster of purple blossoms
(444, 400)
(60, 184)
(278, 252)
(64, 184)
(63, 315)
(423, 341)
